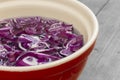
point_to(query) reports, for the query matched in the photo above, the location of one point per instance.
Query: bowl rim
(66, 59)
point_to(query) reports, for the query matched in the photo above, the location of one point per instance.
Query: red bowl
(70, 11)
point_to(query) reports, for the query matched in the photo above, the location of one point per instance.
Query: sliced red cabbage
(3, 52)
(30, 41)
(33, 58)
(73, 45)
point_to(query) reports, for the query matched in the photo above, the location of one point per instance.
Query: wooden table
(104, 62)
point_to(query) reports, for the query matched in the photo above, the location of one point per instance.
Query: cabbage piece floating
(31, 41)
(33, 58)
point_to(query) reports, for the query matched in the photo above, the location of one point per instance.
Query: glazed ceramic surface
(70, 11)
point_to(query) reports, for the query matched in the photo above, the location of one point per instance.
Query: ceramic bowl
(70, 11)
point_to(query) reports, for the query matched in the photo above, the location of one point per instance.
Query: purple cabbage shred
(30, 41)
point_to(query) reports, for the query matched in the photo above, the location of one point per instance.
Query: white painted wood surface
(104, 61)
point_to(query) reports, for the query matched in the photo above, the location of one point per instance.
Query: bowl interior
(70, 11)
(48, 9)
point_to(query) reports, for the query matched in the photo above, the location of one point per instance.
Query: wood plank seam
(102, 7)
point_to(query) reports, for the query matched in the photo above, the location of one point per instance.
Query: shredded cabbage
(30, 41)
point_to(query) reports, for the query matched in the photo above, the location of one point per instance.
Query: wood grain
(95, 5)
(104, 61)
